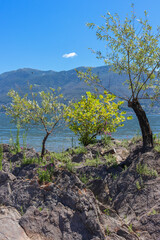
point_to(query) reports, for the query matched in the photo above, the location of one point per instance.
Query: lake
(63, 138)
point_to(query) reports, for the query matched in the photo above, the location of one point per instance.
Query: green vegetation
(110, 160)
(84, 178)
(138, 186)
(45, 174)
(95, 162)
(143, 169)
(77, 150)
(130, 228)
(133, 49)
(30, 160)
(94, 115)
(153, 212)
(48, 113)
(1, 156)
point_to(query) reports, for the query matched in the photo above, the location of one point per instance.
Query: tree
(48, 113)
(133, 49)
(94, 115)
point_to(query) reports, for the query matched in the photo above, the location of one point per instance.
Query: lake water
(63, 138)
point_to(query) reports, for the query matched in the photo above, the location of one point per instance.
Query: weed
(125, 168)
(124, 143)
(93, 162)
(114, 176)
(10, 165)
(84, 178)
(153, 212)
(143, 169)
(40, 209)
(1, 156)
(45, 175)
(107, 231)
(30, 160)
(157, 148)
(111, 160)
(130, 228)
(78, 150)
(21, 210)
(106, 211)
(137, 137)
(107, 140)
(138, 186)
(62, 156)
(70, 166)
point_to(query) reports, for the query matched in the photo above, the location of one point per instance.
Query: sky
(52, 35)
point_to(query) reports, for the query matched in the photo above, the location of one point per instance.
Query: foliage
(143, 169)
(47, 113)
(94, 115)
(133, 49)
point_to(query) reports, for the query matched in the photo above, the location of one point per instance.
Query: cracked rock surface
(109, 205)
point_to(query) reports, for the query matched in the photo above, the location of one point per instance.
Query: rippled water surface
(63, 138)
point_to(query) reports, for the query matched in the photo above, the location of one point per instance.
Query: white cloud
(69, 55)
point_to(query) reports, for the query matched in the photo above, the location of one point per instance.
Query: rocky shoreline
(95, 193)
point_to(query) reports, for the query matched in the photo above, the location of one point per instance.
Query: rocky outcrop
(94, 203)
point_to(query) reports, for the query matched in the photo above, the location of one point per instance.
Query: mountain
(71, 85)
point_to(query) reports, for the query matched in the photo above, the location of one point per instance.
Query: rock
(107, 206)
(9, 222)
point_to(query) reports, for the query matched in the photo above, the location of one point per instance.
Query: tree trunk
(143, 122)
(43, 145)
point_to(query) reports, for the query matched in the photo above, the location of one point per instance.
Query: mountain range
(71, 85)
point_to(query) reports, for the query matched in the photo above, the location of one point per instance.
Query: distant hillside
(70, 84)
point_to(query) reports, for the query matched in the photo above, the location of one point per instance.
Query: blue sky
(39, 33)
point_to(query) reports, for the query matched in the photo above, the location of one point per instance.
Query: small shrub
(94, 115)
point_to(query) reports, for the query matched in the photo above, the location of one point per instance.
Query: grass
(1, 156)
(84, 178)
(157, 148)
(110, 160)
(62, 156)
(107, 140)
(77, 150)
(143, 169)
(45, 174)
(93, 162)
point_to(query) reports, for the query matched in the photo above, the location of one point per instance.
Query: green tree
(94, 115)
(47, 111)
(131, 48)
